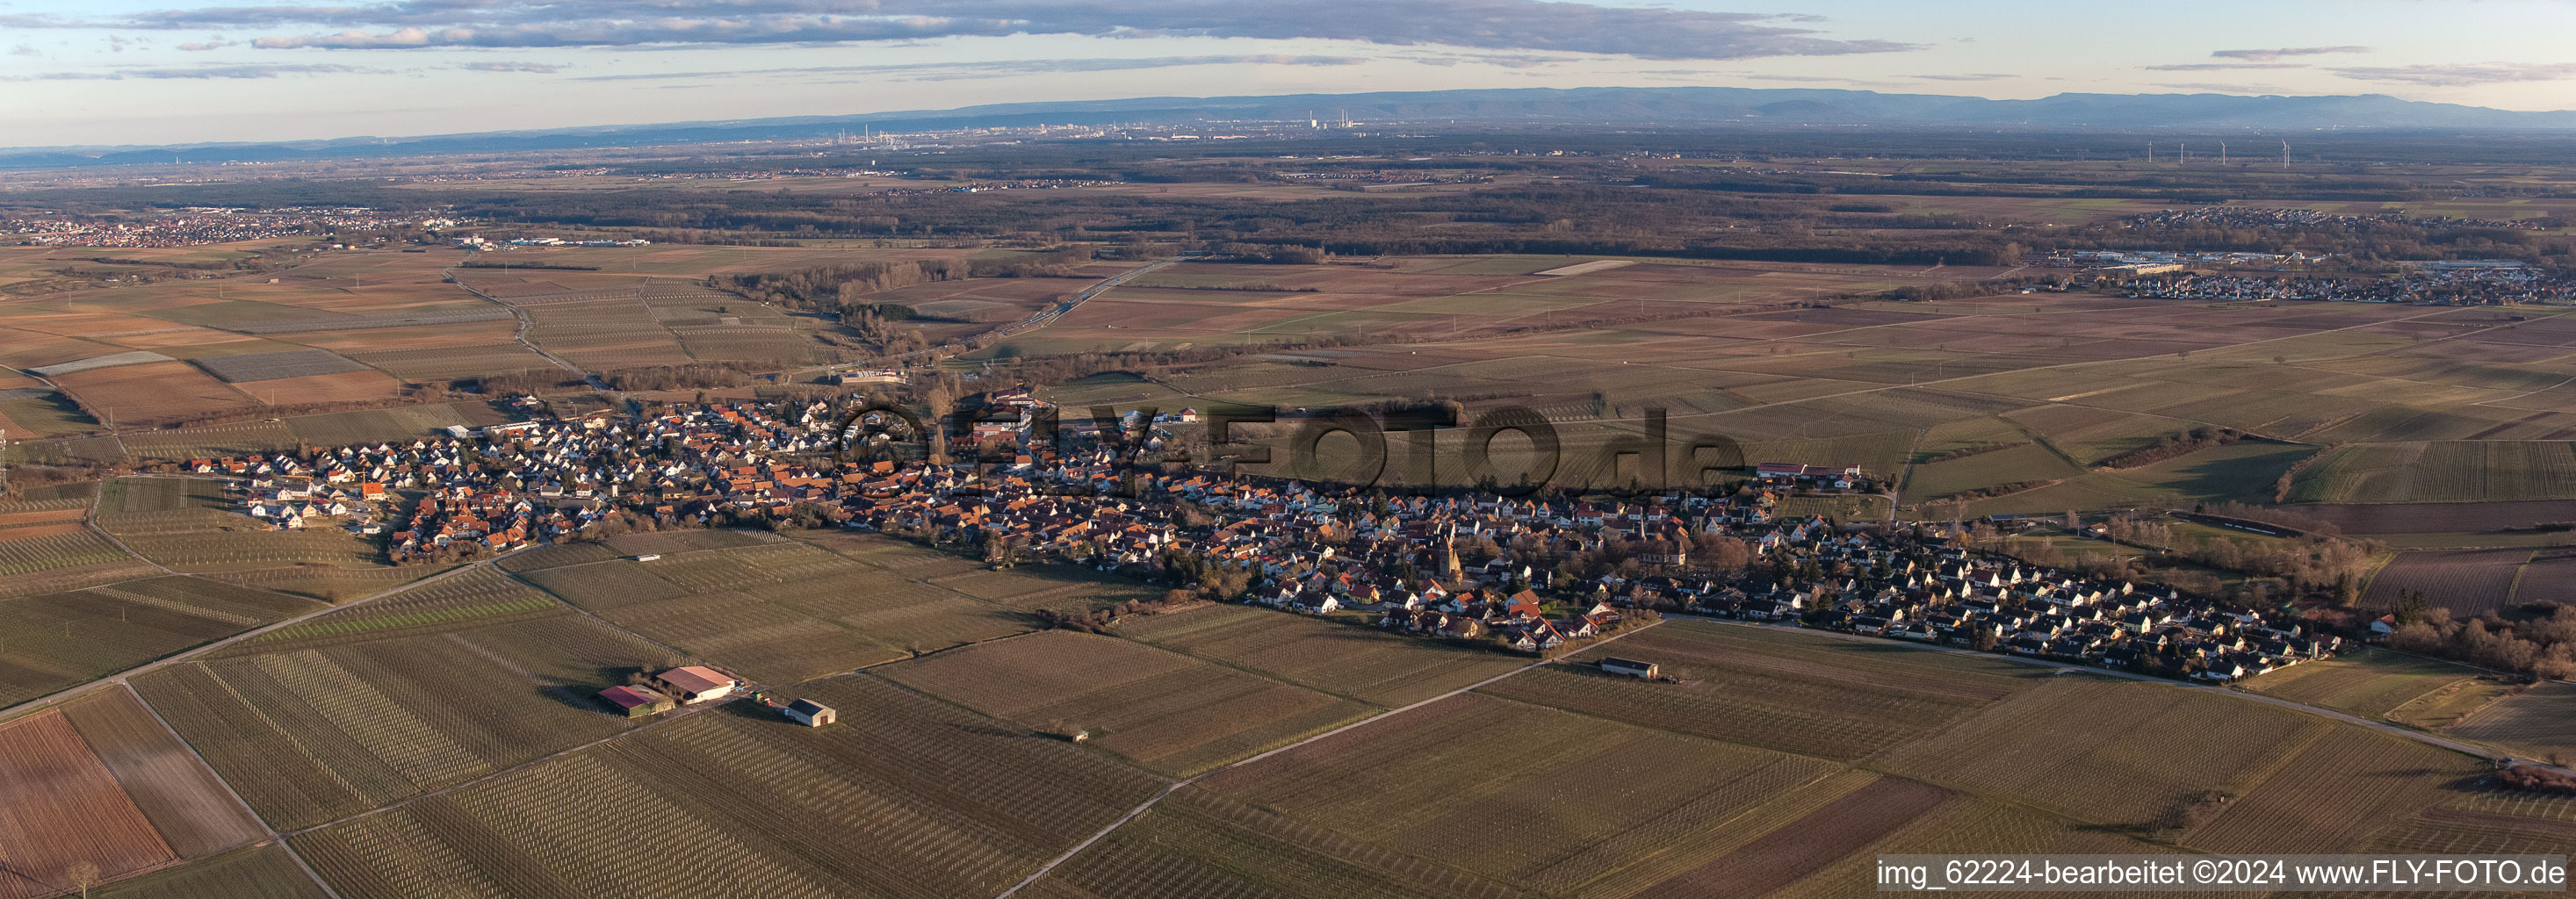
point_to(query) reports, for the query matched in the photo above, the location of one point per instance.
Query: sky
(98, 72)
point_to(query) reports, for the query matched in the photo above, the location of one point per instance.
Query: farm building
(636, 702)
(694, 684)
(810, 713)
(1631, 667)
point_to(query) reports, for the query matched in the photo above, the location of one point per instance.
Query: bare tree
(84, 875)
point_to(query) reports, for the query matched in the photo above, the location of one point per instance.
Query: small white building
(810, 713)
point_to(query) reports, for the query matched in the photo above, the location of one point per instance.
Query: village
(1538, 574)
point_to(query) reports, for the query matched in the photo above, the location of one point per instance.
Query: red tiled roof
(696, 678)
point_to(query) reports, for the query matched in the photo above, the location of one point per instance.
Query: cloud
(2278, 52)
(25, 50)
(2463, 74)
(2224, 66)
(951, 71)
(535, 67)
(1964, 76)
(207, 44)
(250, 70)
(1505, 60)
(1544, 25)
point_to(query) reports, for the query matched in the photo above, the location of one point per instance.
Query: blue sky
(169, 71)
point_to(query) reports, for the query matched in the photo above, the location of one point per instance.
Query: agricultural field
(208, 441)
(1212, 303)
(2071, 380)
(61, 806)
(190, 525)
(2485, 520)
(2464, 471)
(464, 598)
(52, 641)
(1620, 795)
(149, 505)
(2467, 581)
(261, 872)
(2537, 723)
(950, 804)
(62, 555)
(401, 423)
(313, 728)
(195, 814)
(1336, 657)
(2380, 683)
(2175, 748)
(774, 611)
(273, 366)
(327, 583)
(142, 393)
(1817, 696)
(2379, 778)
(1159, 709)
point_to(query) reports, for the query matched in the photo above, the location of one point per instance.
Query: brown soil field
(23, 348)
(33, 531)
(191, 809)
(134, 393)
(48, 516)
(60, 806)
(2466, 582)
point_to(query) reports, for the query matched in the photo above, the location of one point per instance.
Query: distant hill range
(1626, 107)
